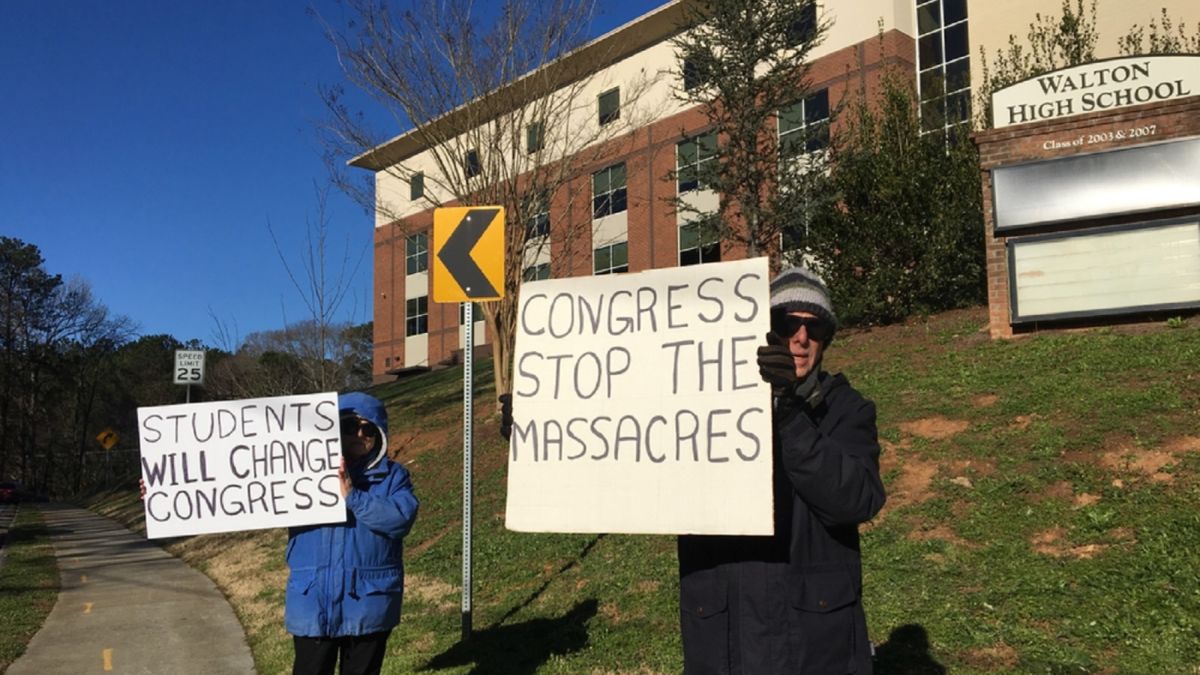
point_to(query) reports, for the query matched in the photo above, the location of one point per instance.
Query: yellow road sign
(108, 438)
(468, 253)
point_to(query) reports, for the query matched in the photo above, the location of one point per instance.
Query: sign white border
(224, 466)
(1107, 84)
(189, 366)
(638, 406)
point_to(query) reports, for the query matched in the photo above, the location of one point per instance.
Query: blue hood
(370, 409)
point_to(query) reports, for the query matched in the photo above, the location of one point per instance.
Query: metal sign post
(468, 401)
(468, 265)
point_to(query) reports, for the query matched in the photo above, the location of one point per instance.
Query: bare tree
(498, 110)
(319, 352)
(320, 343)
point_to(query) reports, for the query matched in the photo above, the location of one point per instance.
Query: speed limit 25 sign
(189, 366)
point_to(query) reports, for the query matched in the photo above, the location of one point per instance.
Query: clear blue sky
(146, 144)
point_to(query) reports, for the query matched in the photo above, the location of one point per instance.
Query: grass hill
(1042, 517)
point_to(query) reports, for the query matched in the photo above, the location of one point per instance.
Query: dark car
(8, 493)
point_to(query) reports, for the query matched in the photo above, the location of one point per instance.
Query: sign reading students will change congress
(224, 466)
(638, 406)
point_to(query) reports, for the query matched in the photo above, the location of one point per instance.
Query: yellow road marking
(107, 654)
(87, 608)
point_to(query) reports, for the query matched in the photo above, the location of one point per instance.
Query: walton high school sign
(1100, 85)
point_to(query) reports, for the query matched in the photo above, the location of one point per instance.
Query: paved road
(127, 606)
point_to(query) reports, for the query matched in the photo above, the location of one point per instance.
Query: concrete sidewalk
(127, 606)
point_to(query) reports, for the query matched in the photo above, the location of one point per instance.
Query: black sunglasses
(351, 425)
(786, 325)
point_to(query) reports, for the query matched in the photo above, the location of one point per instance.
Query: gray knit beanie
(799, 289)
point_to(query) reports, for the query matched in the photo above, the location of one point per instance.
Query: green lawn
(1042, 517)
(28, 584)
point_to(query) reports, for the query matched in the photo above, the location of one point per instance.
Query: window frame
(611, 250)
(537, 224)
(614, 96)
(472, 166)
(416, 186)
(691, 169)
(943, 84)
(611, 200)
(416, 316)
(804, 27)
(692, 76)
(535, 137)
(807, 120)
(535, 271)
(416, 253)
(705, 251)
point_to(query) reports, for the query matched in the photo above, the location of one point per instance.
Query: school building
(619, 204)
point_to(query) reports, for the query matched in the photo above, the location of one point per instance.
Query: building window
(472, 167)
(476, 313)
(610, 106)
(536, 272)
(535, 137)
(416, 253)
(943, 64)
(416, 316)
(804, 125)
(608, 191)
(537, 222)
(698, 244)
(804, 27)
(693, 76)
(611, 259)
(416, 186)
(691, 160)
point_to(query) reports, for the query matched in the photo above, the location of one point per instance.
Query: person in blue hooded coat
(346, 582)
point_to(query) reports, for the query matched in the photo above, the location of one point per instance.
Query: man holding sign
(792, 602)
(640, 411)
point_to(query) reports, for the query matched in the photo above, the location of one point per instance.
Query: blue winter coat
(348, 578)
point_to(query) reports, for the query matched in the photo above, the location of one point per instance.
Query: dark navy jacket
(792, 602)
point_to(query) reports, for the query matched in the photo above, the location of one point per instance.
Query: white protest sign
(638, 406)
(224, 466)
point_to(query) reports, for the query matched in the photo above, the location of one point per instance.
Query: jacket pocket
(301, 580)
(704, 620)
(378, 580)
(824, 605)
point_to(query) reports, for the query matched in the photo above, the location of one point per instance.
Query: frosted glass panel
(1103, 273)
(1145, 178)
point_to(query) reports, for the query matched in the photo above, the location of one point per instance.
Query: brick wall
(649, 156)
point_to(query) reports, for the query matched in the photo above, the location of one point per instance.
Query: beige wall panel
(855, 22)
(416, 351)
(416, 285)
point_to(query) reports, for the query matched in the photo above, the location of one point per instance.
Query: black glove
(776, 364)
(506, 420)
